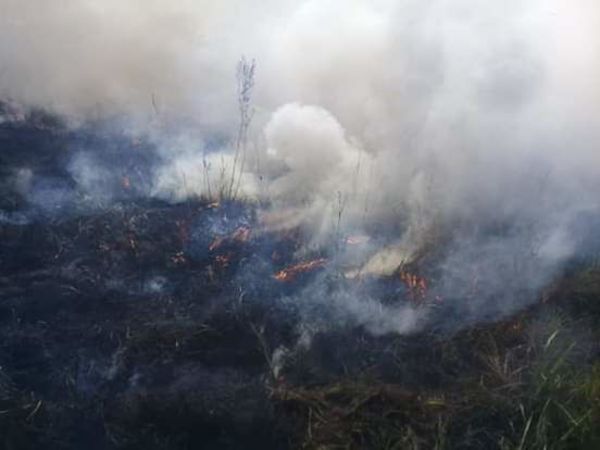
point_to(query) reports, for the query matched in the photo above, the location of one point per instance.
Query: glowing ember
(178, 258)
(222, 261)
(216, 243)
(240, 235)
(357, 239)
(291, 273)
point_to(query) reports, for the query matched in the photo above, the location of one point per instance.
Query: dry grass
(536, 392)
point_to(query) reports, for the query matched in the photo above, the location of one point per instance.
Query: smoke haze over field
(430, 114)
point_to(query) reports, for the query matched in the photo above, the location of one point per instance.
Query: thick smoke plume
(466, 122)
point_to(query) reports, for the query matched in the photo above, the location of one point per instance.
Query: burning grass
(292, 272)
(174, 326)
(178, 355)
(150, 348)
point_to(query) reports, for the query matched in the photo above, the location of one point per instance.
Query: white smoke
(415, 113)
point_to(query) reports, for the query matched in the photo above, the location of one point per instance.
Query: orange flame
(240, 235)
(416, 285)
(290, 273)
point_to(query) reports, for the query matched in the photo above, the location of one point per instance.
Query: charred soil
(148, 325)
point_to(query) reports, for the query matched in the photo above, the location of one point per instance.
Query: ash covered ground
(128, 322)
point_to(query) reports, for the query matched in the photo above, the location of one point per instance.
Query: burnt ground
(139, 324)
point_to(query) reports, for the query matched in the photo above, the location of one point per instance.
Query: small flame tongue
(416, 285)
(290, 273)
(239, 235)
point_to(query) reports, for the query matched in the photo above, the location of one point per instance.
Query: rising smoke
(477, 121)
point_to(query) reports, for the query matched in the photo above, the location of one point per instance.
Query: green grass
(537, 390)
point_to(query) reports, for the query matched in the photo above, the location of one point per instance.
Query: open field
(144, 324)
